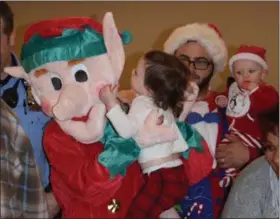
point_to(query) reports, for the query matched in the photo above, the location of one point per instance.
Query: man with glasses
(201, 47)
(16, 93)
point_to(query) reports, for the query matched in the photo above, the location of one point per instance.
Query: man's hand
(233, 154)
(108, 94)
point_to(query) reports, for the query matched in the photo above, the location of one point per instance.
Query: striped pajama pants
(249, 141)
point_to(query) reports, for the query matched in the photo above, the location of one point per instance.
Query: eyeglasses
(200, 64)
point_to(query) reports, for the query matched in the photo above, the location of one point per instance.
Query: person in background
(201, 48)
(17, 94)
(255, 192)
(22, 193)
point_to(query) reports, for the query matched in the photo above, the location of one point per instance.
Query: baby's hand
(221, 101)
(107, 95)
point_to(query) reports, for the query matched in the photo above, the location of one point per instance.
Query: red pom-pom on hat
(214, 27)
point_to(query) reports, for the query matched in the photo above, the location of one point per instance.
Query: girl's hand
(221, 101)
(108, 94)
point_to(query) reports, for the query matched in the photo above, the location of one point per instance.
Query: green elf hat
(63, 39)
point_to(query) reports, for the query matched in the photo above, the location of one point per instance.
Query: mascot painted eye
(81, 76)
(80, 73)
(55, 80)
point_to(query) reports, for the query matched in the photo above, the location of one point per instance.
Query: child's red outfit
(163, 189)
(243, 109)
(244, 106)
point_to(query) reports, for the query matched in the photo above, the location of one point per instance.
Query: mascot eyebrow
(43, 71)
(75, 62)
(40, 72)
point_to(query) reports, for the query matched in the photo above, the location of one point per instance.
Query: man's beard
(204, 83)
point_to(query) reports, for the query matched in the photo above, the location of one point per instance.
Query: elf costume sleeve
(75, 165)
(78, 175)
(197, 159)
(119, 153)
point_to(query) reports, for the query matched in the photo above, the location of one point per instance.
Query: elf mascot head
(66, 62)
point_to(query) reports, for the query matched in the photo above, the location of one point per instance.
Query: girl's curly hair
(167, 77)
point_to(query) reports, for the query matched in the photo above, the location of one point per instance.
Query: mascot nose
(72, 102)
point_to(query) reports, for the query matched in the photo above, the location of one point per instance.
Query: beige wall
(151, 22)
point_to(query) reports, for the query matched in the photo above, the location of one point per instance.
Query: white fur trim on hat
(204, 35)
(248, 56)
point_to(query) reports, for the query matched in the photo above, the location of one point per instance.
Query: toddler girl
(160, 81)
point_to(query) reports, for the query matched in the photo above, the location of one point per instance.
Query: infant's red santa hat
(208, 35)
(253, 53)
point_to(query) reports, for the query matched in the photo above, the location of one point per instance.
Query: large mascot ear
(114, 45)
(17, 72)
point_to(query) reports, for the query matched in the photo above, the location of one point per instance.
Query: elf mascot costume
(94, 173)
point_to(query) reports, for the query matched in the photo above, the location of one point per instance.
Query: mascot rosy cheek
(66, 62)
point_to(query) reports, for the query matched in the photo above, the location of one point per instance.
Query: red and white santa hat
(253, 53)
(208, 35)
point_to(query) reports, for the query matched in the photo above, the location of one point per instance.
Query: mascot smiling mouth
(82, 118)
